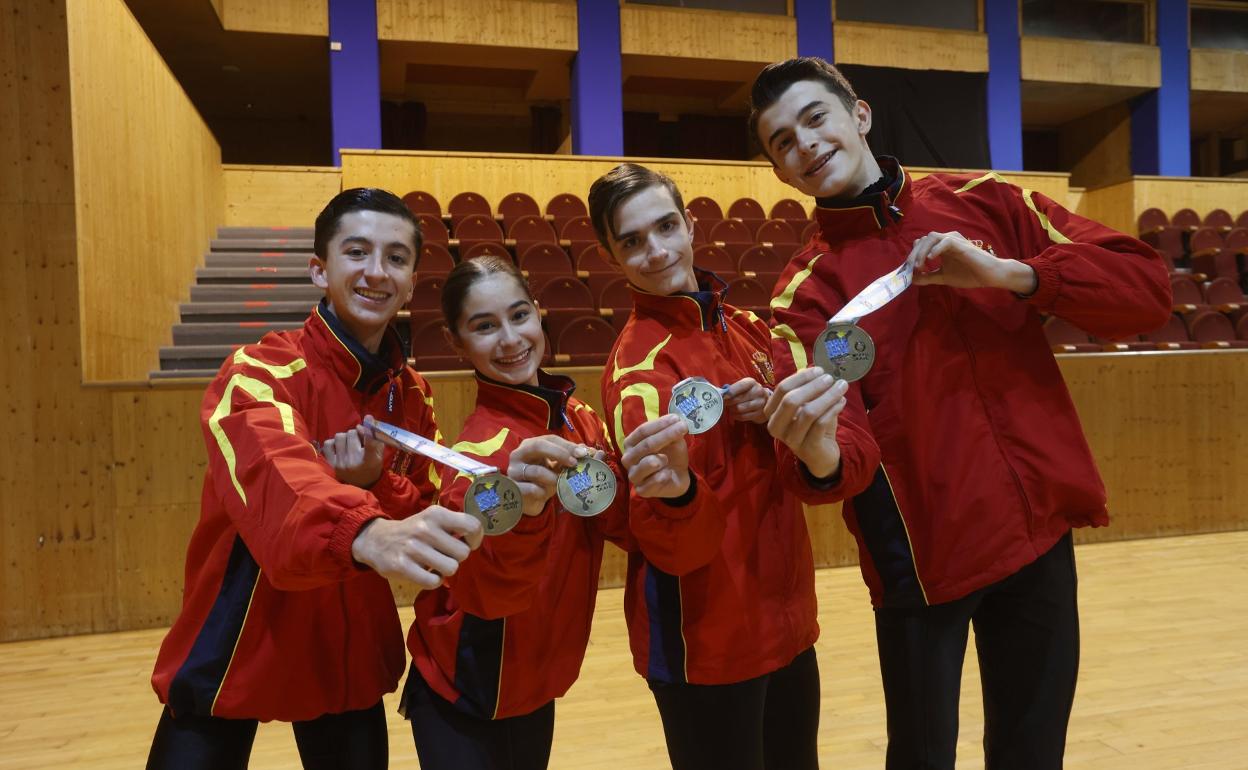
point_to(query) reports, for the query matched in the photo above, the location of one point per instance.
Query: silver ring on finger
(524, 471)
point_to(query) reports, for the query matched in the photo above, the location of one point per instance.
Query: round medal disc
(699, 402)
(588, 488)
(845, 351)
(495, 501)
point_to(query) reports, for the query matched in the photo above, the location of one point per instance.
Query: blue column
(814, 28)
(1005, 85)
(1161, 131)
(597, 80)
(354, 76)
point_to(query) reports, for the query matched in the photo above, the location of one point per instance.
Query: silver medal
(699, 402)
(587, 489)
(845, 351)
(495, 501)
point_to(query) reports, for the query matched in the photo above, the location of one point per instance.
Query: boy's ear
(316, 271)
(689, 223)
(862, 115)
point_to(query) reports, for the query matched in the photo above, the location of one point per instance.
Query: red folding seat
(749, 212)
(1185, 219)
(1223, 295)
(593, 259)
(705, 209)
(734, 236)
(1171, 336)
(1186, 294)
(515, 205)
(809, 232)
(427, 293)
(586, 341)
(779, 235)
(1236, 241)
(432, 351)
(1242, 219)
(1065, 337)
(763, 262)
(477, 228)
(615, 295)
(1210, 257)
(716, 259)
(563, 207)
(699, 233)
(566, 292)
(1241, 328)
(420, 202)
(435, 259)
(1213, 330)
(483, 249)
(467, 204)
(531, 229)
(789, 209)
(1169, 243)
(749, 294)
(432, 230)
(1219, 219)
(545, 259)
(1151, 220)
(578, 231)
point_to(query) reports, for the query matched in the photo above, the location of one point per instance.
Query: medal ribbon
(878, 293)
(411, 442)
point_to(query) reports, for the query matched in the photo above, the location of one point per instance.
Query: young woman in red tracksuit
(721, 600)
(506, 634)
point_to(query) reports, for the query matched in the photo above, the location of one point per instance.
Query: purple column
(814, 28)
(354, 77)
(1161, 130)
(597, 80)
(1005, 85)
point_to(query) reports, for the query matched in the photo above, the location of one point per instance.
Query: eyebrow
(366, 242)
(801, 112)
(669, 215)
(510, 307)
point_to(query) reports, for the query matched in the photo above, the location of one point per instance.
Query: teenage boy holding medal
(720, 597)
(985, 469)
(287, 614)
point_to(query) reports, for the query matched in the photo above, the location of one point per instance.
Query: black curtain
(925, 117)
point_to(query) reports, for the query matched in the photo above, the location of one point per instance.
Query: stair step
(243, 292)
(182, 374)
(189, 357)
(224, 233)
(233, 333)
(260, 274)
(256, 259)
(255, 310)
(261, 244)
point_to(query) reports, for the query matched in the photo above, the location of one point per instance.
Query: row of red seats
(1154, 220)
(1190, 331)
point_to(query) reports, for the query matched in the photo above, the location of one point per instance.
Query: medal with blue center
(492, 498)
(699, 402)
(587, 489)
(844, 349)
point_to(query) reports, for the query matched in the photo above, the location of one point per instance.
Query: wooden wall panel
(445, 174)
(1202, 194)
(286, 17)
(277, 196)
(148, 190)
(1097, 147)
(1218, 70)
(1058, 60)
(910, 47)
(702, 34)
(542, 24)
(1113, 206)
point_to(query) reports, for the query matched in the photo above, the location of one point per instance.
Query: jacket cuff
(679, 507)
(825, 484)
(348, 529)
(1048, 282)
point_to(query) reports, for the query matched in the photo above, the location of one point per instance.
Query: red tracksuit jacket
(722, 589)
(277, 620)
(985, 465)
(507, 632)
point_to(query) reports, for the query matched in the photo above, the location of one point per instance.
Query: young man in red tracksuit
(720, 597)
(983, 467)
(505, 636)
(282, 617)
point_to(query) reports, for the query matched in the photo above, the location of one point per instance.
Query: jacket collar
(544, 404)
(351, 361)
(702, 309)
(875, 209)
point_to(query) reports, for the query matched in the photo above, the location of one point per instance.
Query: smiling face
(499, 330)
(815, 144)
(367, 272)
(653, 245)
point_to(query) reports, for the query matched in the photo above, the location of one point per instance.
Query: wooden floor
(1164, 679)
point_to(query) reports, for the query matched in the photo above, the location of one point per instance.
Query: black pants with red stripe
(770, 722)
(353, 740)
(1027, 639)
(449, 739)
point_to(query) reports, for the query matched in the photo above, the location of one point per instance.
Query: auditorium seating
(254, 279)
